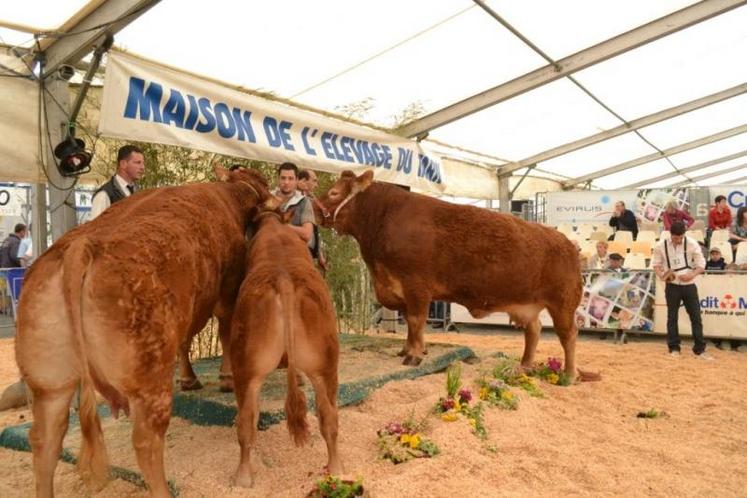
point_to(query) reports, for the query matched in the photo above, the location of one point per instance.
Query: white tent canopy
(560, 71)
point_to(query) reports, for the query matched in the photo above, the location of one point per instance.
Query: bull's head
(250, 180)
(333, 204)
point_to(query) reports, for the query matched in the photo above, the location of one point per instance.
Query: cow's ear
(347, 174)
(363, 181)
(221, 173)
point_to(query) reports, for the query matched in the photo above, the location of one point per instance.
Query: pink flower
(447, 404)
(465, 396)
(554, 364)
(394, 428)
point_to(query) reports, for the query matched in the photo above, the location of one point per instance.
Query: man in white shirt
(678, 261)
(130, 167)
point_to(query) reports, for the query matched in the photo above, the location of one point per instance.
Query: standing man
(9, 248)
(624, 220)
(678, 261)
(307, 184)
(303, 220)
(130, 167)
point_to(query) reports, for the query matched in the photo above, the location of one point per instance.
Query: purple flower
(465, 396)
(554, 364)
(447, 404)
(394, 428)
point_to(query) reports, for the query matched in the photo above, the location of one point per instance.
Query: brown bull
(108, 305)
(420, 249)
(284, 310)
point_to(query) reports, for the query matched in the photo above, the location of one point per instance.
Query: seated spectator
(624, 220)
(716, 261)
(719, 216)
(581, 258)
(615, 263)
(739, 229)
(600, 260)
(672, 214)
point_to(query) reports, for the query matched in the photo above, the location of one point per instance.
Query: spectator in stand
(583, 261)
(719, 217)
(739, 229)
(716, 261)
(600, 260)
(624, 220)
(615, 263)
(672, 214)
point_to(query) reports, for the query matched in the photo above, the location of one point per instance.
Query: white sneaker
(674, 354)
(705, 356)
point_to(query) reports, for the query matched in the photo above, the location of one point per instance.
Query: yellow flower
(553, 378)
(449, 416)
(457, 405)
(414, 441)
(484, 393)
(507, 395)
(473, 423)
(404, 438)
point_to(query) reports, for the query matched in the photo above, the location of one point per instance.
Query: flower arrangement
(402, 441)
(552, 372)
(457, 403)
(509, 372)
(497, 393)
(334, 487)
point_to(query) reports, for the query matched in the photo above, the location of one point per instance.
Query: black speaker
(74, 158)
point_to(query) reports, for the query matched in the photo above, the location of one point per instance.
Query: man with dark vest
(303, 220)
(9, 248)
(130, 167)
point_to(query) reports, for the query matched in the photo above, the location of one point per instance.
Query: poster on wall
(723, 307)
(589, 206)
(617, 301)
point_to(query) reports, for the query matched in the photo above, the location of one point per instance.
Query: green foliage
(652, 413)
(334, 487)
(453, 379)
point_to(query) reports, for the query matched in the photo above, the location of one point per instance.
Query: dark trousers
(687, 294)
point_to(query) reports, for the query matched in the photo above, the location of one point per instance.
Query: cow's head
(333, 204)
(252, 182)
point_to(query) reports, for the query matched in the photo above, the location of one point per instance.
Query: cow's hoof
(403, 352)
(411, 360)
(190, 384)
(242, 480)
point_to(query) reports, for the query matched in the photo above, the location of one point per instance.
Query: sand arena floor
(583, 440)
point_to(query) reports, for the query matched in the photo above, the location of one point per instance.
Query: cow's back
(464, 254)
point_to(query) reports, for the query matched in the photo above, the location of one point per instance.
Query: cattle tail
(92, 462)
(295, 401)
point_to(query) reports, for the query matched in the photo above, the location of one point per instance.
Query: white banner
(12, 200)
(150, 102)
(585, 206)
(590, 206)
(723, 307)
(736, 196)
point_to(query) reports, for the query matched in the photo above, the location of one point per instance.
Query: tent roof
(395, 61)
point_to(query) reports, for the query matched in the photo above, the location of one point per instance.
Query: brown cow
(108, 305)
(284, 309)
(419, 249)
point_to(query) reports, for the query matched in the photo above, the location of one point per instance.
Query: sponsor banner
(736, 196)
(12, 200)
(146, 101)
(585, 206)
(723, 307)
(589, 206)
